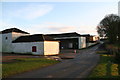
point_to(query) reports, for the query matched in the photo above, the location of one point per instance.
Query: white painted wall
(7, 43)
(51, 47)
(27, 48)
(15, 35)
(81, 42)
(95, 38)
(43, 48)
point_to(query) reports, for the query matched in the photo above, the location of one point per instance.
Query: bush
(115, 51)
(117, 57)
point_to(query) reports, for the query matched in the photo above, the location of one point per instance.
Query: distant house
(18, 41)
(94, 38)
(70, 40)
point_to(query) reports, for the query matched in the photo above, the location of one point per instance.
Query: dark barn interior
(69, 43)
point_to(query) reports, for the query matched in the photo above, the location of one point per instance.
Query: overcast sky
(56, 17)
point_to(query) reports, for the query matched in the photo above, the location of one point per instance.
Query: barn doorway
(34, 49)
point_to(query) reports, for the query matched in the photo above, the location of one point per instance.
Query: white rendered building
(18, 41)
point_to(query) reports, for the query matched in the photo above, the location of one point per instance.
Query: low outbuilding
(37, 44)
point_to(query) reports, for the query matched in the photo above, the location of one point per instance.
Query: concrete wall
(82, 42)
(26, 48)
(51, 47)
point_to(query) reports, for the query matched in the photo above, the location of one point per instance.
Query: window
(6, 38)
(34, 49)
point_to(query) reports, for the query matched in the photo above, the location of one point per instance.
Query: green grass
(25, 64)
(106, 68)
(101, 52)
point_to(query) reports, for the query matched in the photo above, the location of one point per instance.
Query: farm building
(94, 38)
(18, 41)
(70, 40)
(74, 40)
(91, 39)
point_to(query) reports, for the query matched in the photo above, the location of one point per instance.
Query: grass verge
(106, 68)
(25, 64)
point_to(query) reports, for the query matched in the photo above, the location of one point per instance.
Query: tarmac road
(79, 67)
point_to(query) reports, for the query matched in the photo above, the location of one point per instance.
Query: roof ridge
(33, 38)
(14, 30)
(62, 33)
(43, 37)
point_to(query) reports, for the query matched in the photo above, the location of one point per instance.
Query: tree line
(109, 27)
